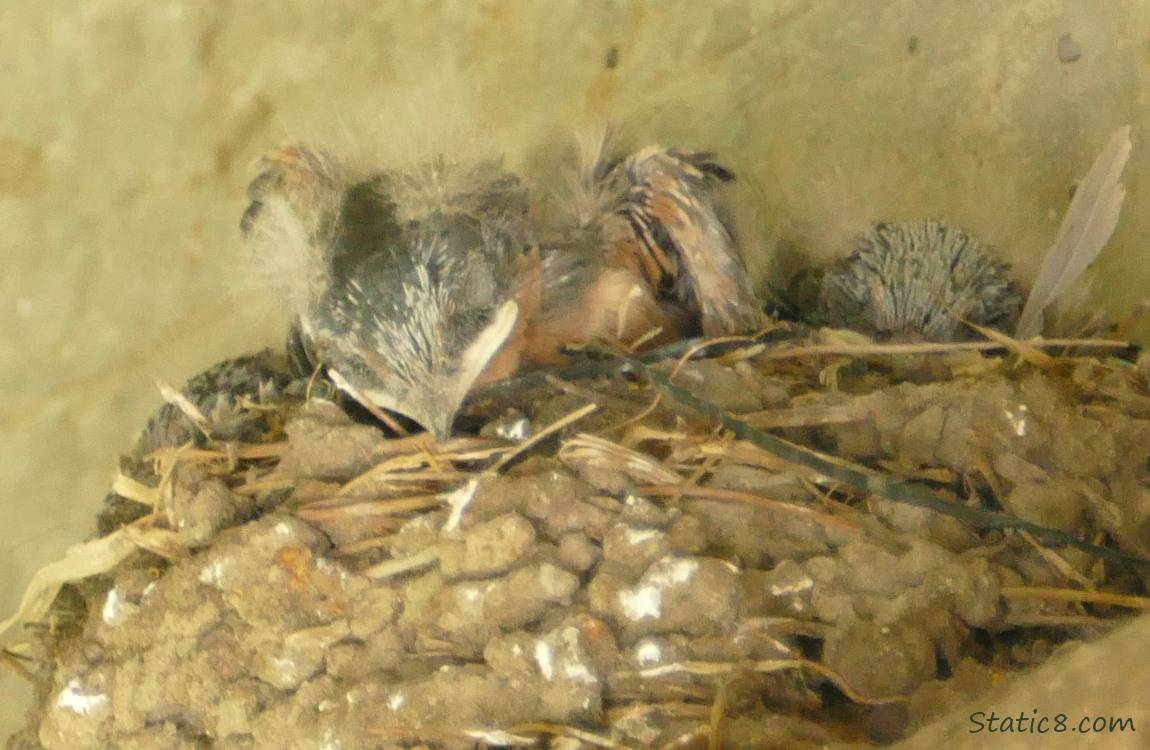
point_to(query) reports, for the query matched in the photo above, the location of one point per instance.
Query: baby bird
(645, 255)
(414, 287)
(918, 281)
(408, 303)
(921, 280)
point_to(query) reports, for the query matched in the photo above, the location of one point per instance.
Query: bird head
(414, 327)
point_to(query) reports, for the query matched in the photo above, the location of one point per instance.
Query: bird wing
(667, 208)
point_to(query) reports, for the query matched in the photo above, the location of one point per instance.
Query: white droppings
(285, 666)
(646, 600)
(545, 658)
(80, 701)
(638, 536)
(795, 586)
(642, 603)
(1018, 420)
(148, 590)
(472, 594)
(577, 671)
(330, 741)
(395, 701)
(458, 500)
(516, 430)
(670, 571)
(648, 653)
(283, 528)
(212, 574)
(574, 668)
(113, 606)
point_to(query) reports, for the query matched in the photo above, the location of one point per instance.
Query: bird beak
(433, 409)
(440, 425)
(435, 402)
(437, 415)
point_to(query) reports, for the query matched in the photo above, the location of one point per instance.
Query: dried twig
(552, 428)
(718, 493)
(1076, 595)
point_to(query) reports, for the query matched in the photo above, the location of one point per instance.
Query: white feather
(1085, 230)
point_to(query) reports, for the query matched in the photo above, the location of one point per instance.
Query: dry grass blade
(735, 496)
(589, 450)
(402, 565)
(590, 395)
(807, 416)
(1023, 349)
(135, 490)
(404, 468)
(1057, 561)
(266, 484)
(407, 736)
(1085, 230)
(390, 507)
(565, 730)
(552, 428)
(385, 419)
(219, 452)
(371, 544)
(176, 398)
(1050, 593)
(864, 350)
(748, 454)
(82, 561)
(766, 666)
(642, 433)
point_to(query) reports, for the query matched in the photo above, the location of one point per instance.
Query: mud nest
(743, 551)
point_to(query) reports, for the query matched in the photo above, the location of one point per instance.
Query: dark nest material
(745, 551)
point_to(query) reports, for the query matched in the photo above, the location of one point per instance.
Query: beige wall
(127, 127)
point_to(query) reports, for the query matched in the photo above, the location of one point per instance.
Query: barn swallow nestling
(926, 280)
(415, 286)
(645, 251)
(919, 281)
